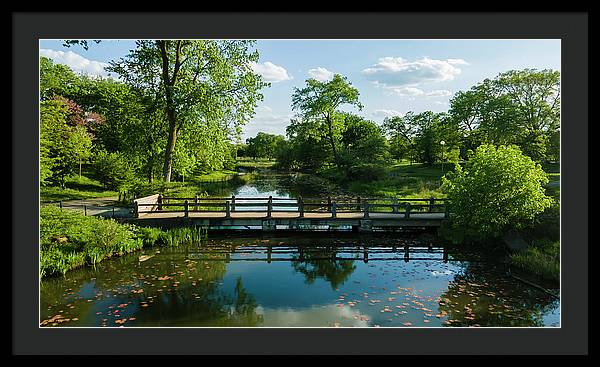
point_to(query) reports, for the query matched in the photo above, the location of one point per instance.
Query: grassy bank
(541, 259)
(402, 180)
(69, 240)
(250, 164)
(76, 188)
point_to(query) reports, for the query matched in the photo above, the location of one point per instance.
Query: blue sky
(393, 76)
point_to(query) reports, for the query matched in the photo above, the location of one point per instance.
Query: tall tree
(322, 99)
(199, 81)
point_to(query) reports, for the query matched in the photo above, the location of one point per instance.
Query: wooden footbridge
(272, 213)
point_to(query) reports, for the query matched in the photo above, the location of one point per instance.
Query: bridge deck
(286, 215)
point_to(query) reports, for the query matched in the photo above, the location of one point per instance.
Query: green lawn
(75, 188)
(405, 180)
(250, 164)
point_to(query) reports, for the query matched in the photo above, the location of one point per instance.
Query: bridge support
(365, 226)
(268, 225)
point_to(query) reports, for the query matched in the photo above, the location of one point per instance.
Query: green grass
(75, 188)
(250, 164)
(541, 259)
(401, 180)
(214, 176)
(69, 240)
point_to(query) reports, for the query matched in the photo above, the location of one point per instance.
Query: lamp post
(442, 143)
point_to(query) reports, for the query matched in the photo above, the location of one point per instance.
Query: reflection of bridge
(269, 214)
(331, 253)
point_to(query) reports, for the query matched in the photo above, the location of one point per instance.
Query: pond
(319, 280)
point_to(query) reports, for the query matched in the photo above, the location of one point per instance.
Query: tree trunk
(330, 133)
(170, 105)
(79, 167)
(167, 168)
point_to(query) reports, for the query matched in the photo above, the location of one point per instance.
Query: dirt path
(99, 206)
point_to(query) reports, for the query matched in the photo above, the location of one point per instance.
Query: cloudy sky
(393, 76)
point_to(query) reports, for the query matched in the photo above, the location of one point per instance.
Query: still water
(321, 281)
(326, 280)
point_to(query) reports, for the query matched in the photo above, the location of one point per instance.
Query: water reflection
(321, 263)
(296, 282)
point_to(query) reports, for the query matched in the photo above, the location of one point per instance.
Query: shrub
(366, 172)
(499, 189)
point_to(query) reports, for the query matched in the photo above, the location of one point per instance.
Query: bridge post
(333, 210)
(406, 253)
(366, 255)
(196, 202)
(431, 203)
(136, 212)
(395, 208)
(113, 211)
(159, 202)
(329, 203)
(358, 202)
(407, 213)
(366, 210)
(227, 209)
(85, 210)
(446, 214)
(232, 203)
(60, 204)
(301, 206)
(186, 206)
(445, 254)
(270, 206)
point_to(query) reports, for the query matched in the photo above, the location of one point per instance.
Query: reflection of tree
(188, 294)
(320, 264)
(483, 296)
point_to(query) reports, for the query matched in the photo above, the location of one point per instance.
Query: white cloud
(457, 62)
(438, 93)
(406, 91)
(387, 113)
(321, 74)
(399, 72)
(271, 72)
(416, 92)
(76, 62)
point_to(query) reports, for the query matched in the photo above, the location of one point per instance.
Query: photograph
(330, 182)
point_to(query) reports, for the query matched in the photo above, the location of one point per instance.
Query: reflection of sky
(281, 291)
(326, 315)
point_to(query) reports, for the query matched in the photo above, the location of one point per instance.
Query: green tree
(308, 144)
(80, 143)
(113, 170)
(322, 99)
(200, 81)
(62, 147)
(263, 145)
(362, 141)
(498, 189)
(56, 79)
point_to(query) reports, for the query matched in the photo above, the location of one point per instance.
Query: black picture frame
(570, 338)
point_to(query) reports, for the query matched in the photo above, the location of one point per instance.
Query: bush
(366, 172)
(113, 170)
(499, 189)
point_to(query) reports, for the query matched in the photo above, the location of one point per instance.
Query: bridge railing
(300, 205)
